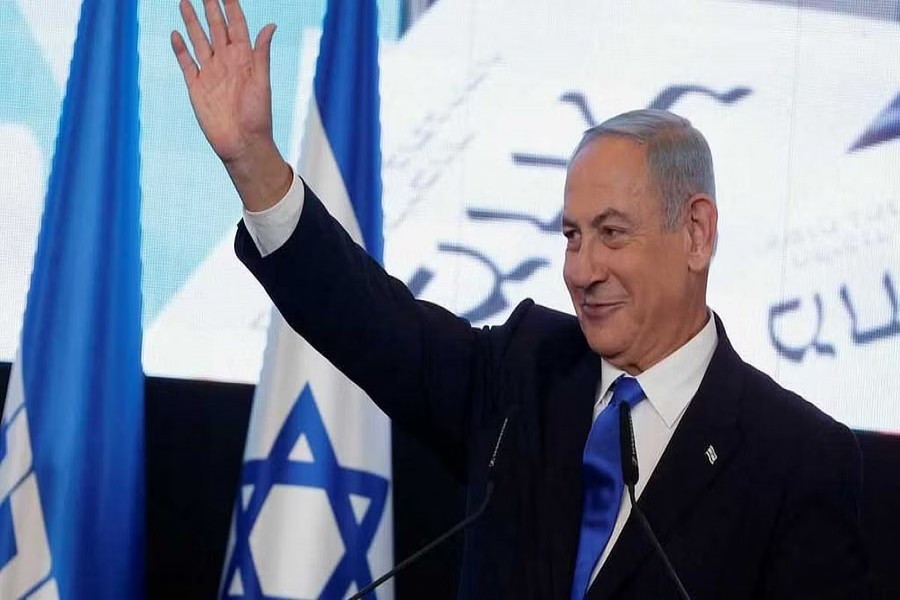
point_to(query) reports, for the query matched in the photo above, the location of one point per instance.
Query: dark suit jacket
(775, 516)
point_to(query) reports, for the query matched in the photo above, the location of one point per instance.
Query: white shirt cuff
(270, 229)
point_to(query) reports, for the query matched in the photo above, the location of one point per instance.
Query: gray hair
(678, 157)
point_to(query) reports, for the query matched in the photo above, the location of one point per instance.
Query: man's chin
(604, 344)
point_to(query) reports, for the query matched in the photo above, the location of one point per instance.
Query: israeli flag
(72, 435)
(313, 515)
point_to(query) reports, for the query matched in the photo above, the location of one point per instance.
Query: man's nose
(587, 266)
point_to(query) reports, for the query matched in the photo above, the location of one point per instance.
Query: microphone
(630, 477)
(468, 520)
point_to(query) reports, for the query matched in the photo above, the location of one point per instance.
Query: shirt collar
(672, 382)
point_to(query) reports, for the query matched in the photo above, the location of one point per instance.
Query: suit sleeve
(429, 370)
(819, 551)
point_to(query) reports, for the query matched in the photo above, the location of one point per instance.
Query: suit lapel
(685, 469)
(567, 418)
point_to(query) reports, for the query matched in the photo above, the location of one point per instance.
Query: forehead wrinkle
(636, 184)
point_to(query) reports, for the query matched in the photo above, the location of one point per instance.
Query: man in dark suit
(752, 491)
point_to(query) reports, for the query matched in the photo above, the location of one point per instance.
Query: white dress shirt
(669, 385)
(270, 229)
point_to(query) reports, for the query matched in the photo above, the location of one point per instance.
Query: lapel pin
(711, 455)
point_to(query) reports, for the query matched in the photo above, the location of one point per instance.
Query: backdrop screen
(482, 103)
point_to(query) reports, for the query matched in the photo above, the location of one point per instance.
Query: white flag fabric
(313, 514)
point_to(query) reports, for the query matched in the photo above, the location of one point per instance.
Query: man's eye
(572, 239)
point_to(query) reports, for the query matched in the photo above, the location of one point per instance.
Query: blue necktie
(602, 480)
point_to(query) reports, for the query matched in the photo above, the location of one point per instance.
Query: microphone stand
(489, 490)
(630, 476)
(429, 546)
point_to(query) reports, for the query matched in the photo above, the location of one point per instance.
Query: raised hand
(230, 91)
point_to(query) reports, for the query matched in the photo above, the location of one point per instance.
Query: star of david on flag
(356, 498)
(313, 514)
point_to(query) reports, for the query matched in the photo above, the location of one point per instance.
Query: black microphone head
(628, 450)
(510, 413)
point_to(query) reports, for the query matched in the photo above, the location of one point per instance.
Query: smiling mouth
(600, 310)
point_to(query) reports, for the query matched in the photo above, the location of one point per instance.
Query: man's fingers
(237, 23)
(195, 31)
(188, 67)
(218, 31)
(263, 48)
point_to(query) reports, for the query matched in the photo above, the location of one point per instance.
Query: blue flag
(72, 442)
(313, 516)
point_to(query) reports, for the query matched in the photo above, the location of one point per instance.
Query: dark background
(195, 442)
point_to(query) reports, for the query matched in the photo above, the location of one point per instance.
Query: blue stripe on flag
(81, 337)
(346, 92)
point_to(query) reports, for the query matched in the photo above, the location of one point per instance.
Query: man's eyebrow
(606, 215)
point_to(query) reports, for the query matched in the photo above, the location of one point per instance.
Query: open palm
(227, 78)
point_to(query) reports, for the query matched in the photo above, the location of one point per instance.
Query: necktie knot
(627, 389)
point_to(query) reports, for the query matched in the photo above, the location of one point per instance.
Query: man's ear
(701, 219)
